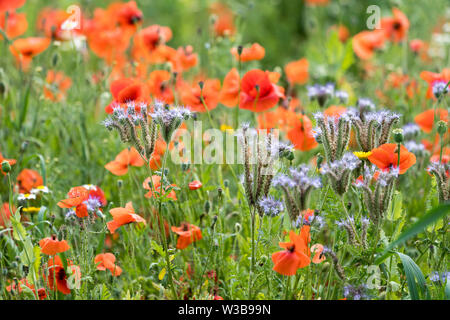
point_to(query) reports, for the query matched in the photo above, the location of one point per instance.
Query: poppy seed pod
(207, 206)
(398, 135)
(6, 167)
(441, 127)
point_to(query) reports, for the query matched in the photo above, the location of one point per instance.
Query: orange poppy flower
(296, 253)
(50, 21)
(75, 198)
(342, 31)
(148, 39)
(107, 261)
(128, 15)
(10, 161)
(385, 157)
(123, 216)
(5, 213)
(156, 181)
(365, 43)
(297, 71)
(184, 59)
(28, 179)
(230, 89)
(301, 135)
(416, 45)
(108, 44)
(426, 119)
(258, 93)
(395, 27)
(255, 52)
(17, 24)
(42, 294)
(194, 185)
(6, 5)
(223, 25)
(53, 246)
(191, 95)
(159, 86)
(432, 77)
(127, 157)
(317, 2)
(188, 233)
(57, 273)
(56, 86)
(25, 49)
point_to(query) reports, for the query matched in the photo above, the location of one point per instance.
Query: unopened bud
(398, 135)
(441, 127)
(207, 206)
(239, 50)
(6, 167)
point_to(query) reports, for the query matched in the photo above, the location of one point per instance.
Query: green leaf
(432, 216)
(414, 277)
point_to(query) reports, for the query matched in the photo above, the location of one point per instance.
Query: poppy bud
(441, 127)
(219, 191)
(290, 156)
(56, 58)
(14, 264)
(6, 167)
(214, 222)
(207, 206)
(200, 84)
(119, 183)
(226, 183)
(239, 49)
(319, 160)
(398, 135)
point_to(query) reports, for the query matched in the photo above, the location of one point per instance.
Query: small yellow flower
(362, 155)
(224, 127)
(31, 209)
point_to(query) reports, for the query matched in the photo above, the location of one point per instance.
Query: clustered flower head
(297, 186)
(439, 88)
(334, 134)
(271, 206)
(441, 172)
(365, 105)
(339, 172)
(321, 93)
(410, 131)
(372, 128)
(169, 118)
(378, 189)
(356, 293)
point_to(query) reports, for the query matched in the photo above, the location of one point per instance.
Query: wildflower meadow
(224, 150)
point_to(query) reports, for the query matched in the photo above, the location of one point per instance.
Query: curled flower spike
(297, 186)
(169, 119)
(441, 172)
(339, 172)
(51, 246)
(334, 134)
(188, 233)
(378, 189)
(107, 261)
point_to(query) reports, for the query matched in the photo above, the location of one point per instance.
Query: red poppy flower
(431, 77)
(107, 261)
(301, 135)
(123, 216)
(188, 233)
(194, 185)
(365, 43)
(128, 15)
(28, 179)
(156, 180)
(342, 31)
(385, 157)
(318, 256)
(426, 119)
(255, 52)
(184, 59)
(127, 90)
(148, 39)
(297, 71)
(296, 253)
(223, 26)
(159, 86)
(10, 161)
(5, 213)
(42, 294)
(230, 89)
(51, 246)
(258, 93)
(395, 27)
(17, 24)
(57, 273)
(75, 198)
(126, 158)
(191, 95)
(25, 49)
(6, 5)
